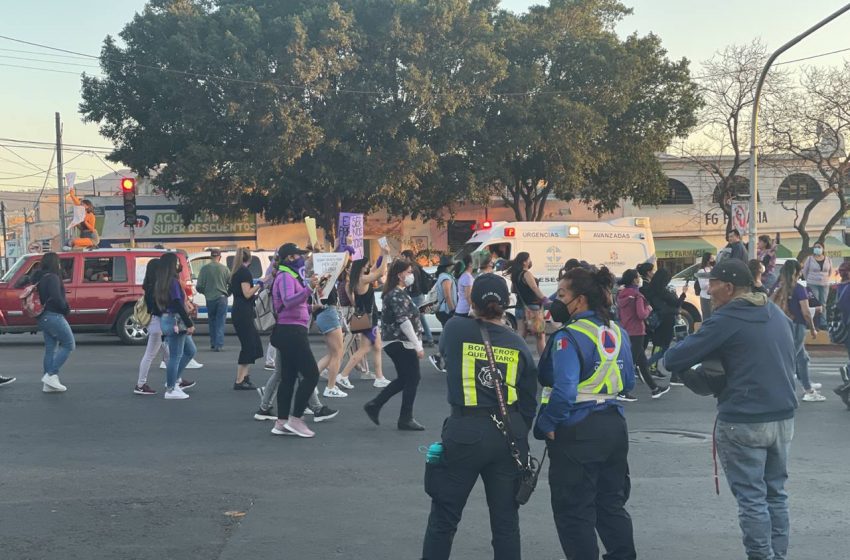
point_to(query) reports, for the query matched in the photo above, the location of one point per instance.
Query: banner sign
(352, 225)
(741, 216)
(328, 265)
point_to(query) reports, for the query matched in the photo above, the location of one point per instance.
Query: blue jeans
(822, 293)
(426, 330)
(755, 458)
(217, 316)
(181, 348)
(799, 332)
(57, 332)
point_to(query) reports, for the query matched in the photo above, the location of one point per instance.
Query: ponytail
(595, 285)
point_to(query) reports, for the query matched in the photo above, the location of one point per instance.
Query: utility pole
(5, 246)
(60, 178)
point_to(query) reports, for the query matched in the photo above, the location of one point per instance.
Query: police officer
(472, 444)
(583, 368)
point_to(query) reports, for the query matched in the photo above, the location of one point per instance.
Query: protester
(735, 248)
(244, 291)
(666, 305)
(585, 365)
(463, 277)
(842, 304)
(329, 324)
(701, 285)
(633, 310)
(756, 268)
(529, 307)
(767, 256)
(214, 283)
(473, 400)
(361, 285)
(88, 237)
(485, 263)
(177, 326)
(646, 271)
(446, 302)
(420, 288)
(792, 299)
(400, 330)
(818, 272)
(752, 340)
(268, 280)
(154, 330)
(58, 339)
(291, 297)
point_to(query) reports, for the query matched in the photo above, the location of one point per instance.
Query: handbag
(360, 322)
(529, 471)
(264, 317)
(141, 315)
(30, 304)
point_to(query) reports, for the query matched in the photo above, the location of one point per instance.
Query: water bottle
(435, 453)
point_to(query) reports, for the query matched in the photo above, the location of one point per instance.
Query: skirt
(249, 339)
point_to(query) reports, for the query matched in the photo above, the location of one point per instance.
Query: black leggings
(406, 364)
(294, 347)
(639, 359)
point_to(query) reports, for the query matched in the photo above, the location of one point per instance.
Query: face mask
(297, 264)
(560, 311)
(818, 251)
(408, 280)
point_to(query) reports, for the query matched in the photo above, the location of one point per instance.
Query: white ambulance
(619, 244)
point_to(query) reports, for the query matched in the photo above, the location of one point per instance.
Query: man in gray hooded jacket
(751, 337)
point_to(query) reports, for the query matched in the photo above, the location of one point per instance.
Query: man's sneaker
(381, 383)
(813, 396)
(186, 384)
(626, 397)
(845, 374)
(144, 390)
(817, 386)
(279, 429)
(176, 393)
(658, 391)
(437, 361)
(194, 365)
(323, 414)
(335, 393)
(52, 384)
(6, 380)
(246, 385)
(676, 381)
(263, 414)
(268, 367)
(298, 427)
(344, 382)
(324, 373)
(309, 412)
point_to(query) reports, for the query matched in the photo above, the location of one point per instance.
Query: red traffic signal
(128, 184)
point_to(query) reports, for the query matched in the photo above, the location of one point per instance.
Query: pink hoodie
(633, 309)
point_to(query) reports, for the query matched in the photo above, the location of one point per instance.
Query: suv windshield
(688, 273)
(467, 249)
(11, 272)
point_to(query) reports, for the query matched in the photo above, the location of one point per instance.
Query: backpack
(141, 315)
(836, 326)
(441, 296)
(653, 321)
(30, 302)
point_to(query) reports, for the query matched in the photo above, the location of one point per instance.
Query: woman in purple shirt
(291, 297)
(177, 326)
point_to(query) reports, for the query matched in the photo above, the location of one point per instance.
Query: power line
(64, 62)
(39, 142)
(72, 150)
(41, 171)
(19, 156)
(41, 53)
(41, 69)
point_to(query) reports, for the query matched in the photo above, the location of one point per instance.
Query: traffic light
(128, 189)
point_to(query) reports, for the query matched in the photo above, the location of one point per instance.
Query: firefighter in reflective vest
(583, 368)
(473, 444)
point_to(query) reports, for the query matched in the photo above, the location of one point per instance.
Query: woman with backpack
(154, 331)
(666, 306)
(58, 339)
(529, 307)
(792, 298)
(177, 326)
(446, 302)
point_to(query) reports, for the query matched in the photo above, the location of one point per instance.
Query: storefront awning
(682, 247)
(789, 248)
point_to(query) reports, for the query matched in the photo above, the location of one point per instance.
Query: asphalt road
(99, 473)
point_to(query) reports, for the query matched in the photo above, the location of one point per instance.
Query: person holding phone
(177, 326)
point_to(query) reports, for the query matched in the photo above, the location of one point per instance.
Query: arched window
(740, 188)
(677, 193)
(798, 186)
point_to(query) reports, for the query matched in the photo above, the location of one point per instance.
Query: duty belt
(481, 411)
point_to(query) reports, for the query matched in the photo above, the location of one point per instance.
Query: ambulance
(618, 244)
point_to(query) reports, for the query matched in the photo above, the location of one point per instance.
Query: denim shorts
(328, 320)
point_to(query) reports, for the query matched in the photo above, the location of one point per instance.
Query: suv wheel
(128, 330)
(510, 321)
(685, 319)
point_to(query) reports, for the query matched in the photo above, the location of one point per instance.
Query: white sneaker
(52, 385)
(269, 366)
(344, 382)
(817, 386)
(176, 393)
(308, 411)
(813, 396)
(324, 373)
(335, 392)
(380, 383)
(162, 365)
(367, 375)
(194, 365)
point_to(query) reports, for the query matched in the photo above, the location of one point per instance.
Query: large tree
(298, 107)
(581, 113)
(810, 123)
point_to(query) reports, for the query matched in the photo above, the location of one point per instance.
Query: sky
(692, 29)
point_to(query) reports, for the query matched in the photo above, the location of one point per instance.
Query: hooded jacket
(751, 337)
(633, 309)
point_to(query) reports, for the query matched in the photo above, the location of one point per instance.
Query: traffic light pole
(132, 237)
(5, 241)
(60, 187)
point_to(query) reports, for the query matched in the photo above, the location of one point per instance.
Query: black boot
(410, 425)
(373, 409)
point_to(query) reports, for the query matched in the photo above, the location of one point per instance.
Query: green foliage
(297, 107)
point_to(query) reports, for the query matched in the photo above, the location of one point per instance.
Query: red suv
(102, 286)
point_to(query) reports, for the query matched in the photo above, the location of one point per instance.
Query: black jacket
(51, 292)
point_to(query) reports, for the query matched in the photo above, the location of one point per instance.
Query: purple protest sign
(352, 225)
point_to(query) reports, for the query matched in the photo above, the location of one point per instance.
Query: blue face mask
(818, 251)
